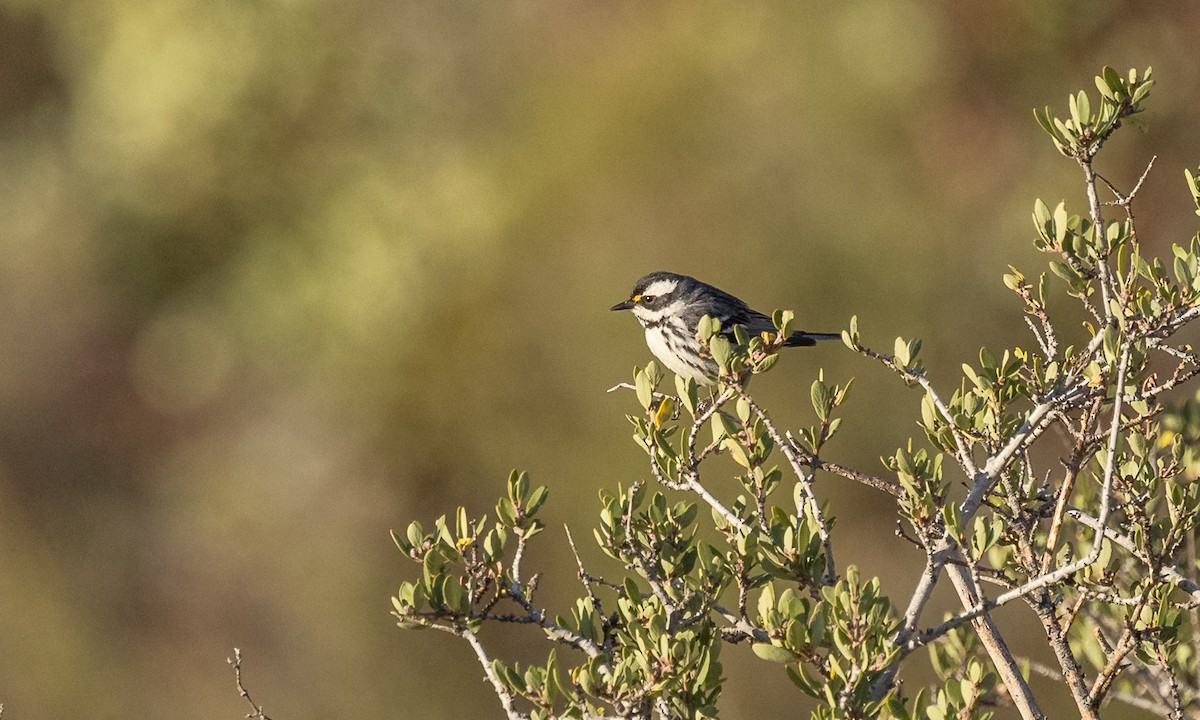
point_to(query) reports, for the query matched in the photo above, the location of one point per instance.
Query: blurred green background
(276, 277)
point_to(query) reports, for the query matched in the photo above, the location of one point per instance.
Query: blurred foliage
(277, 274)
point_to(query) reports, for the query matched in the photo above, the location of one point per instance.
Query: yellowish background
(278, 276)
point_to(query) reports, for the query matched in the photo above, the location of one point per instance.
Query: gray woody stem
(506, 698)
(1069, 569)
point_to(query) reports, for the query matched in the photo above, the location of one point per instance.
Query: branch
(742, 625)
(1137, 701)
(912, 615)
(1104, 681)
(506, 698)
(871, 481)
(517, 558)
(236, 663)
(1002, 658)
(1056, 631)
(805, 480)
(552, 629)
(1163, 572)
(1068, 485)
(964, 455)
(1050, 578)
(1126, 200)
(690, 481)
(1106, 289)
(689, 478)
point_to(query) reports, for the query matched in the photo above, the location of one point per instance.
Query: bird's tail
(804, 339)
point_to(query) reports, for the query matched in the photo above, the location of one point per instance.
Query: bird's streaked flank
(669, 306)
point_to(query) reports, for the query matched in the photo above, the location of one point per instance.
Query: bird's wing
(754, 322)
(737, 312)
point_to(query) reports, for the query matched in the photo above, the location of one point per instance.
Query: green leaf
(1113, 81)
(493, 544)
(455, 596)
(536, 499)
(737, 452)
(820, 395)
(1064, 272)
(1060, 222)
(721, 350)
(462, 525)
(645, 393)
(631, 591)
(687, 389)
(766, 363)
(402, 543)
(1142, 92)
(773, 653)
(1048, 122)
(655, 373)
(743, 410)
(1041, 214)
(416, 534)
(1085, 108)
(787, 320)
(506, 512)
(802, 681)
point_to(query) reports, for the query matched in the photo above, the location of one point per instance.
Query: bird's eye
(647, 298)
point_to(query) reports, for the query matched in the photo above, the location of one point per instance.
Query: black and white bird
(669, 307)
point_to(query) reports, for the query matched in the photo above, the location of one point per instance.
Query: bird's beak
(623, 305)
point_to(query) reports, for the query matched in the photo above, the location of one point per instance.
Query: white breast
(656, 340)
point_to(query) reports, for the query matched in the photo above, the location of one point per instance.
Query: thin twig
(1106, 289)
(742, 625)
(871, 481)
(1068, 485)
(236, 663)
(552, 629)
(1048, 579)
(804, 477)
(1126, 200)
(960, 443)
(1136, 701)
(517, 558)
(688, 475)
(506, 698)
(1163, 571)
(1112, 668)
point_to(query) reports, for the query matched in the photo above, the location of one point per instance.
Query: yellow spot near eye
(637, 298)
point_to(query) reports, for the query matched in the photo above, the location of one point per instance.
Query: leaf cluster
(1058, 475)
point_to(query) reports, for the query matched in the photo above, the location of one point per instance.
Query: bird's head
(654, 294)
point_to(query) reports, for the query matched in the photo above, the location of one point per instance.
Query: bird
(669, 306)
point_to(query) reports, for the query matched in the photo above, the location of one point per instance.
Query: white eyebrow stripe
(660, 287)
(647, 316)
